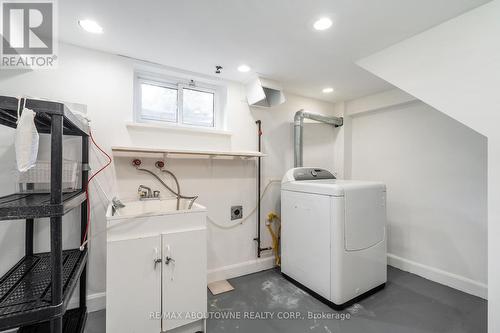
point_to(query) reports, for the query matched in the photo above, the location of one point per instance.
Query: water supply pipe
(137, 163)
(298, 129)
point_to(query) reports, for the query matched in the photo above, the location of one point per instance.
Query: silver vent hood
(262, 92)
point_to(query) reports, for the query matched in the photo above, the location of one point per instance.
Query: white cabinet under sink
(156, 270)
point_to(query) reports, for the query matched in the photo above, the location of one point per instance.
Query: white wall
(455, 67)
(104, 83)
(435, 169)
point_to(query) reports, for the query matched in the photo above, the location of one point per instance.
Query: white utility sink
(145, 217)
(134, 209)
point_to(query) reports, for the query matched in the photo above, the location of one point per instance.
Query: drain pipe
(298, 130)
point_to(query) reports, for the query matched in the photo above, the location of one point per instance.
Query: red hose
(88, 183)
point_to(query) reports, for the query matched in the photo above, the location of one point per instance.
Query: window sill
(179, 128)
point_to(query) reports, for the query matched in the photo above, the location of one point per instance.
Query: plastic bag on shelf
(26, 139)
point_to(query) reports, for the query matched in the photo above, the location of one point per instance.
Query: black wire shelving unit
(35, 293)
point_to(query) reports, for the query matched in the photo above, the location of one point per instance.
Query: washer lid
(321, 181)
(332, 187)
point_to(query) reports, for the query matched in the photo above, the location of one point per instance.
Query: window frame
(180, 101)
(138, 95)
(179, 84)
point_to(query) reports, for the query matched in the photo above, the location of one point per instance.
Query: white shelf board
(185, 152)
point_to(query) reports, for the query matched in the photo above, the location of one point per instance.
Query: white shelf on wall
(183, 153)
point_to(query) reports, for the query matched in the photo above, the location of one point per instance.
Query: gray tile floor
(408, 304)
(96, 322)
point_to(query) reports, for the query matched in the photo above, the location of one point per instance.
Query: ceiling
(274, 37)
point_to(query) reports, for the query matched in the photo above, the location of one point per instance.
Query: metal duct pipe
(298, 129)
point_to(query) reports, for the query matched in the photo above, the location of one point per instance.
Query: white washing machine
(333, 235)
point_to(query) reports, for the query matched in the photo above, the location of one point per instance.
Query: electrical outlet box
(236, 212)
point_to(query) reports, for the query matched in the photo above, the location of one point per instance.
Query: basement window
(179, 102)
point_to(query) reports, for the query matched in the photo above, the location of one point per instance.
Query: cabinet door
(133, 286)
(184, 276)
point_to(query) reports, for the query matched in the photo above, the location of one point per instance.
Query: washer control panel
(312, 174)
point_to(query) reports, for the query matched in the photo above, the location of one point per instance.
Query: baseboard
(240, 269)
(95, 302)
(455, 281)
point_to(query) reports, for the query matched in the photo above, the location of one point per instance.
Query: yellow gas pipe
(273, 218)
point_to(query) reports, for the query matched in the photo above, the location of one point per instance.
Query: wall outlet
(236, 212)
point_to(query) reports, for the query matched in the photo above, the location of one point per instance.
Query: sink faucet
(115, 205)
(146, 193)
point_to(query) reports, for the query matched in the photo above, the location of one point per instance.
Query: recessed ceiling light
(327, 90)
(90, 26)
(323, 23)
(244, 68)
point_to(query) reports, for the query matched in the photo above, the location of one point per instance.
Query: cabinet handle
(157, 261)
(157, 258)
(168, 260)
